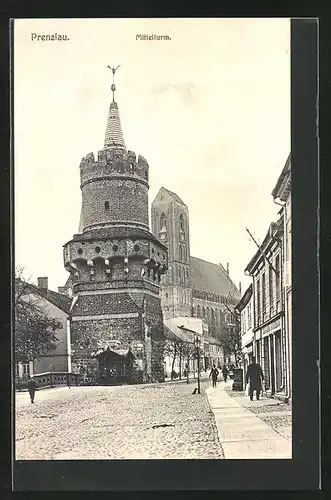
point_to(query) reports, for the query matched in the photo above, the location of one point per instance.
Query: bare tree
(231, 342)
(35, 330)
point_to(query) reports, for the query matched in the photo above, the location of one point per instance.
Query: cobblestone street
(161, 421)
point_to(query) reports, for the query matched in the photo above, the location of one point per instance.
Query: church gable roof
(170, 195)
(212, 278)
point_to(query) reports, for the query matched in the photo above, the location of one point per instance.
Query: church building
(192, 286)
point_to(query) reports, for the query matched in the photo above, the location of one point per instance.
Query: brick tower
(115, 262)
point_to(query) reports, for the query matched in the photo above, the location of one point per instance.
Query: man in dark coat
(254, 377)
(32, 384)
(225, 373)
(214, 375)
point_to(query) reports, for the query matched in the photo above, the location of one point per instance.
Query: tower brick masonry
(115, 263)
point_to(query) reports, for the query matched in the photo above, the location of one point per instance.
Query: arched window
(213, 315)
(182, 223)
(203, 312)
(198, 312)
(163, 220)
(180, 253)
(106, 205)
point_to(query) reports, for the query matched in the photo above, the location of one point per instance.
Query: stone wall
(90, 335)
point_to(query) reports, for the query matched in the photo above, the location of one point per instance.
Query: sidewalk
(243, 435)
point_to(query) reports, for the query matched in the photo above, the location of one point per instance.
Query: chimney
(240, 287)
(43, 283)
(228, 269)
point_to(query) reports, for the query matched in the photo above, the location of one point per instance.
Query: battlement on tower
(114, 163)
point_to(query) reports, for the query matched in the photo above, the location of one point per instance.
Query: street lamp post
(197, 342)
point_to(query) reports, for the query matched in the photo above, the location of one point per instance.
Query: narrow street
(157, 421)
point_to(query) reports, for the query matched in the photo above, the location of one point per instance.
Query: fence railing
(49, 379)
(56, 379)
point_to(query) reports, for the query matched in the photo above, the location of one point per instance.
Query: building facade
(282, 195)
(57, 306)
(192, 287)
(266, 268)
(115, 263)
(246, 310)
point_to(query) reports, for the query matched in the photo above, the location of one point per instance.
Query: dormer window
(106, 205)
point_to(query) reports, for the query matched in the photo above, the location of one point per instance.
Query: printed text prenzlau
(37, 37)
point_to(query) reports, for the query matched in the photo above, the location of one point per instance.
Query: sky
(209, 109)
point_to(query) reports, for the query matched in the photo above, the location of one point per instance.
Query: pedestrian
(225, 373)
(32, 384)
(254, 377)
(214, 375)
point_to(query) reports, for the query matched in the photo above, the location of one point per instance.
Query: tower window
(181, 222)
(163, 220)
(106, 205)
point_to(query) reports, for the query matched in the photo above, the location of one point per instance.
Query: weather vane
(113, 87)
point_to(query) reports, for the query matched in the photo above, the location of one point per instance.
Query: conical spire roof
(114, 135)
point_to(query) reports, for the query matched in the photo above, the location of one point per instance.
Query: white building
(55, 305)
(245, 308)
